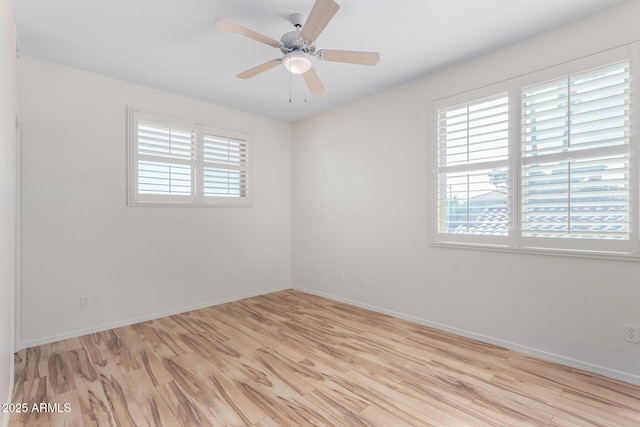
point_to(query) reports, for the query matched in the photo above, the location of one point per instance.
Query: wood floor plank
(142, 358)
(201, 394)
(245, 408)
(59, 416)
(93, 403)
(254, 337)
(295, 359)
(501, 407)
(35, 393)
(285, 410)
(183, 408)
(20, 375)
(331, 382)
(378, 416)
(35, 363)
(402, 405)
(334, 405)
(157, 412)
(60, 378)
(119, 399)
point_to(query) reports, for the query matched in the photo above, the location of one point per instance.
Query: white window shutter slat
(473, 177)
(575, 168)
(226, 166)
(166, 159)
(173, 162)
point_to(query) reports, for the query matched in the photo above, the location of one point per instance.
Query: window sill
(189, 205)
(620, 256)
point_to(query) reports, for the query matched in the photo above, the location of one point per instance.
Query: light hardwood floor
(291, 358)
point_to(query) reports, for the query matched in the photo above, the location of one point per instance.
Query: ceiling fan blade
(232, 27)
(350, 56)
(321, 13)
(259, 69)
(313, 82)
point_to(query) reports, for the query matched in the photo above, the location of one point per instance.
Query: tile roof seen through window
(489, 214)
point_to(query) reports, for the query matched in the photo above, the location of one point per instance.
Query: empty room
(319, 212)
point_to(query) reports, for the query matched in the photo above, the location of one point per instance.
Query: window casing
(566, 177)
(173, 162)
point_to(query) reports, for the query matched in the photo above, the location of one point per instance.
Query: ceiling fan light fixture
(299, 46)
(297, 62)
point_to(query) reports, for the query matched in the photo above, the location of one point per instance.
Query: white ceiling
(175, 46)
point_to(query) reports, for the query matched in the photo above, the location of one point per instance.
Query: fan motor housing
(292, 41)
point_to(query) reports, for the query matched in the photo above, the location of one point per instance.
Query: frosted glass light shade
(297, 62)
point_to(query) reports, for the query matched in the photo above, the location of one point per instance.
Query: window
(180, 163)
(541, 162)
(473, 167)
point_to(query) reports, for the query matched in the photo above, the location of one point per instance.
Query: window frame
(515, 241)
(197, 198)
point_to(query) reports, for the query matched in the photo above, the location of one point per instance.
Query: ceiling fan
(299, 46)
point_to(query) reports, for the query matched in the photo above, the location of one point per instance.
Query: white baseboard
(132, 321)
(556, 358)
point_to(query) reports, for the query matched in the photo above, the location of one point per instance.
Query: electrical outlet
(85, 302)
(340, 277)
(363, 281)
(631, 333)
(232, 277)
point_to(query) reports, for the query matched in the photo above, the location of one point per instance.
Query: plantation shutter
(225, 164)
(165, 158)
(575, 156)
(172, 162)
(473, 172)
